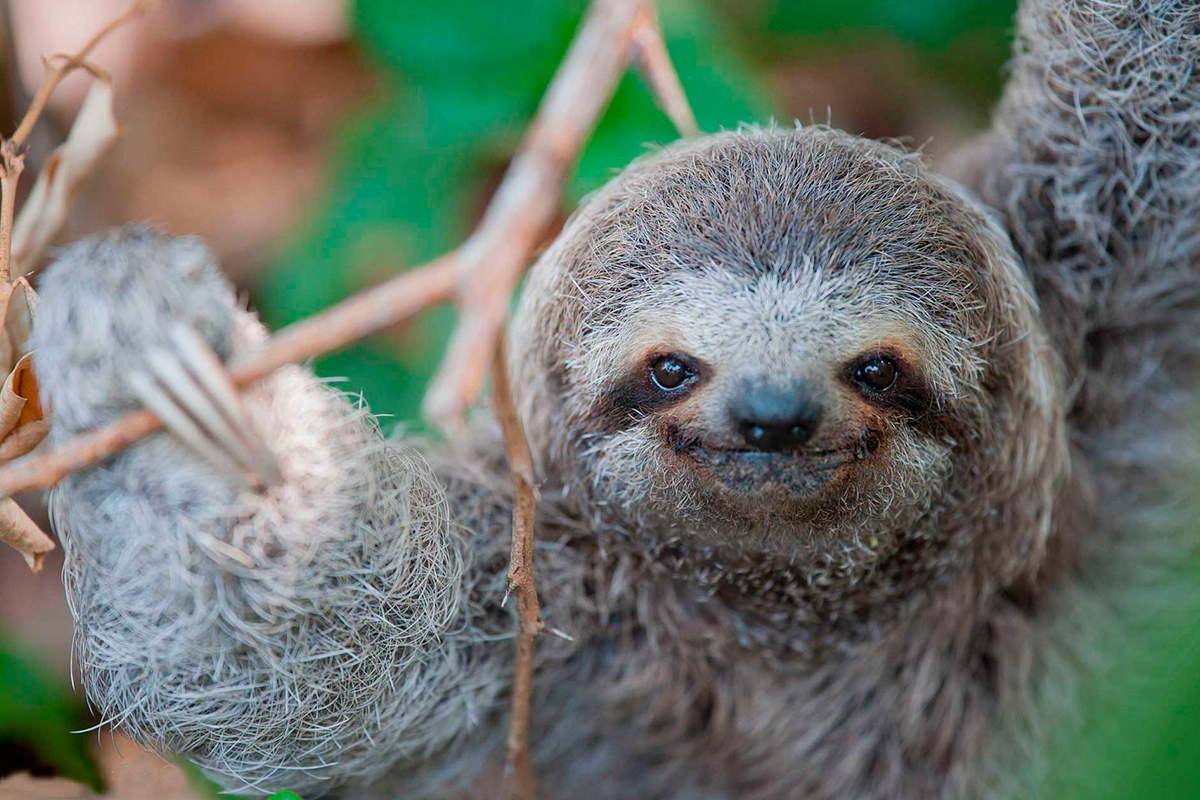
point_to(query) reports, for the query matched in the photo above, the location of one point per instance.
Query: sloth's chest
(678, 693)
(659, 719)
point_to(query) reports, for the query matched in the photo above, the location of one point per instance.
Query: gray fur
(131, 285)
(889, 613)
(268, 635)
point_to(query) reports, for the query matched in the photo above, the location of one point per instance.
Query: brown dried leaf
(22, 426)
(17, 530)
(19, 321)
(95, 130)
(19, 400)
(16, 320)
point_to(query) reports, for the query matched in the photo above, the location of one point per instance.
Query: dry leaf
(19, 400)
(15, 327)
(93, 133)
(19, 531)
(22, 418)
(22, 426)
(23, 422)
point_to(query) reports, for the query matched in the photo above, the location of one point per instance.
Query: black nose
(776, 420)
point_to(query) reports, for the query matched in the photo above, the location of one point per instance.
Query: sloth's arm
(298, 637)
(1093, 162)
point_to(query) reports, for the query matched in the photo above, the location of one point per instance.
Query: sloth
(842, 461)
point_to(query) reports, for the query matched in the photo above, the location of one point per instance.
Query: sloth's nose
(774, 419)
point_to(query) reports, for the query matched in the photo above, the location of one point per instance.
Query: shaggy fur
(875, 614)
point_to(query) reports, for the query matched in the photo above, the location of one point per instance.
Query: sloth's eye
(877, 374)
(670, 373)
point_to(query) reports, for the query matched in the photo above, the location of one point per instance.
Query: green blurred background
(462, 80)
(421, 106)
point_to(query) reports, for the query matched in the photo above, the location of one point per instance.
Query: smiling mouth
(809, 460)
(751, 473)
(771, 462)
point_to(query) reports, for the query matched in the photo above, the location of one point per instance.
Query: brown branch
(12, 164)
(654, 62)
(530, 625)
(12, 151)
(60, 66)
(528, 198)
(388, 304)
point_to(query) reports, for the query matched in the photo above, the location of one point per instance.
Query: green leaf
(37, 717)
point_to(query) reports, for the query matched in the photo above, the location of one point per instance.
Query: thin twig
(12, 164)
(12, 151)
(59, 67)
(388, 304)
(528, 198)
(654, 62)
(530, 625)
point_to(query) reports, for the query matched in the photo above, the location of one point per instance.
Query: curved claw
(189, 389)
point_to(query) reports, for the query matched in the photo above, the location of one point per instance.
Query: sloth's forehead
(808, 299)
(807, 318)
(776, 315)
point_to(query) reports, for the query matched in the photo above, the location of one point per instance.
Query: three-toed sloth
(831, 447)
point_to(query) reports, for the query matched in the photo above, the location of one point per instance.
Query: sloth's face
(779, 337)
(778, 400)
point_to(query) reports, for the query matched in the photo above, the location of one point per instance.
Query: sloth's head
(792, 340)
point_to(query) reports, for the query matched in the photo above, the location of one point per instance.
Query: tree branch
(12, 164)
(530, 625)
(654, 63)
(479, 275)
(12, 150)
(388, 304)
(528, 198)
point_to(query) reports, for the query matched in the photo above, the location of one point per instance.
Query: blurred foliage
(961, 43)
(1140, 709)
(37, 717)
(463, 81)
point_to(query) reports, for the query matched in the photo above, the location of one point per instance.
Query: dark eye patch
(888, 381)
(655, 384)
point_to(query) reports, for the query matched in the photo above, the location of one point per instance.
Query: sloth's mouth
(746, 470)
(813, 459)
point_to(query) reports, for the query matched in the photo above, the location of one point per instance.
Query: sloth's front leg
(277, 606)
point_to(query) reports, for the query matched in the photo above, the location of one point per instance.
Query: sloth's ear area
(110, 299)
